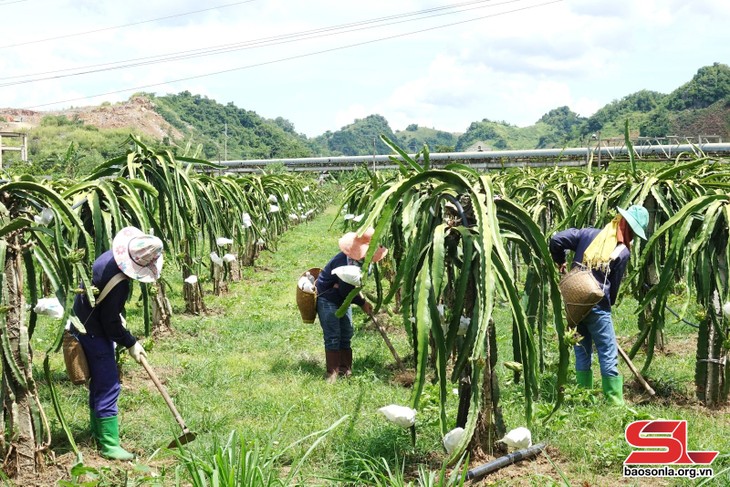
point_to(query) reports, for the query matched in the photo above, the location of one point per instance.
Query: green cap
(638, 219)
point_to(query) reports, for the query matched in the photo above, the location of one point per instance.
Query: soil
(137, 113)
(523, 473)
(520, 471)
(546, 469)
(59, 467)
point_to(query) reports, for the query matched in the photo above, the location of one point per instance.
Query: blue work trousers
(597, 328)
(337, 331)
(104, 386)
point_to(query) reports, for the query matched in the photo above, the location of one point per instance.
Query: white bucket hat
(137, 254)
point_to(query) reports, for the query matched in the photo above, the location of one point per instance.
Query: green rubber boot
(108, 438)
(584, 378)
(613, 389)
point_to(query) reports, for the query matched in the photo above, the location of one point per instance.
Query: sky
(322, 64)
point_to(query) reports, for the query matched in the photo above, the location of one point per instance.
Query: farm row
(460, 242)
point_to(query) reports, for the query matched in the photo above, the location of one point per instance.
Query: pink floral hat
(356, 247)
(137, 254)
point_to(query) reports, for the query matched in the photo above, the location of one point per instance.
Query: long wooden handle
(634, 371)
(398, 361)
(163, 391)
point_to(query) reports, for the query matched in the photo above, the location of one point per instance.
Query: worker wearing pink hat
(331, 293)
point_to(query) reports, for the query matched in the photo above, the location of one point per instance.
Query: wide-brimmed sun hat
(356, 247)
(137, 254)
(638, 219)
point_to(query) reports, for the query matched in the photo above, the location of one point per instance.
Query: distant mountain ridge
(208, 129)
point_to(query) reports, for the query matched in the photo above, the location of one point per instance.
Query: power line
(2, 4)
(255, 43)
(76, 34)
(300, 56)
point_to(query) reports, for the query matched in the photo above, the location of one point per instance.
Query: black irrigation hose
(501, 462)
(676, 315)
(459, 208)
(682, 319)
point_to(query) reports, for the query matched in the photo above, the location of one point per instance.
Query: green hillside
(502, 136)
(71, 143)
(698, 107)
(226, 131)
(359, 138)
(65, 147)
(415, 137)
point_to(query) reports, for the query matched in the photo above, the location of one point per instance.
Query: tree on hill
(414, 138)
(227, 131)
(484, 130)
(502, 135)
(360, 138)
(613, 114)
(709, 85)
(563, 119)
(658, 124)
(565, 126)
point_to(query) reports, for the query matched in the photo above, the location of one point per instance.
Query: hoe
(187, 435)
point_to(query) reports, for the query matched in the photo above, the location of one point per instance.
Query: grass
(251, 366)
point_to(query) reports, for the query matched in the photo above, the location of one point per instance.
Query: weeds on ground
(365, 470)
(243, 463)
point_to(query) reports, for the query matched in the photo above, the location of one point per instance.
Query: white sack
(246, 219)
(305, 284)
(452, 438)
(518, 438)
(49, 307)
(45, 217)
(403, 416)
(223, 241)
(351, 274)
(464, 323)
(216, 259)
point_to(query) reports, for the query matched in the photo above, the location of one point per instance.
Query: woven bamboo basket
(307, 302)
(580, 291)
(77, 367)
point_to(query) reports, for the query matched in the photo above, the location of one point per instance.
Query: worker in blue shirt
(606, 252)
(331, 293)
(134, 255)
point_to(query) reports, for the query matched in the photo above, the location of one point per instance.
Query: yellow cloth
(598, 253)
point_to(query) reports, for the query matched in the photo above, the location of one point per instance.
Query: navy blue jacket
(326, 282)
(578, 241)
(104, 320)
